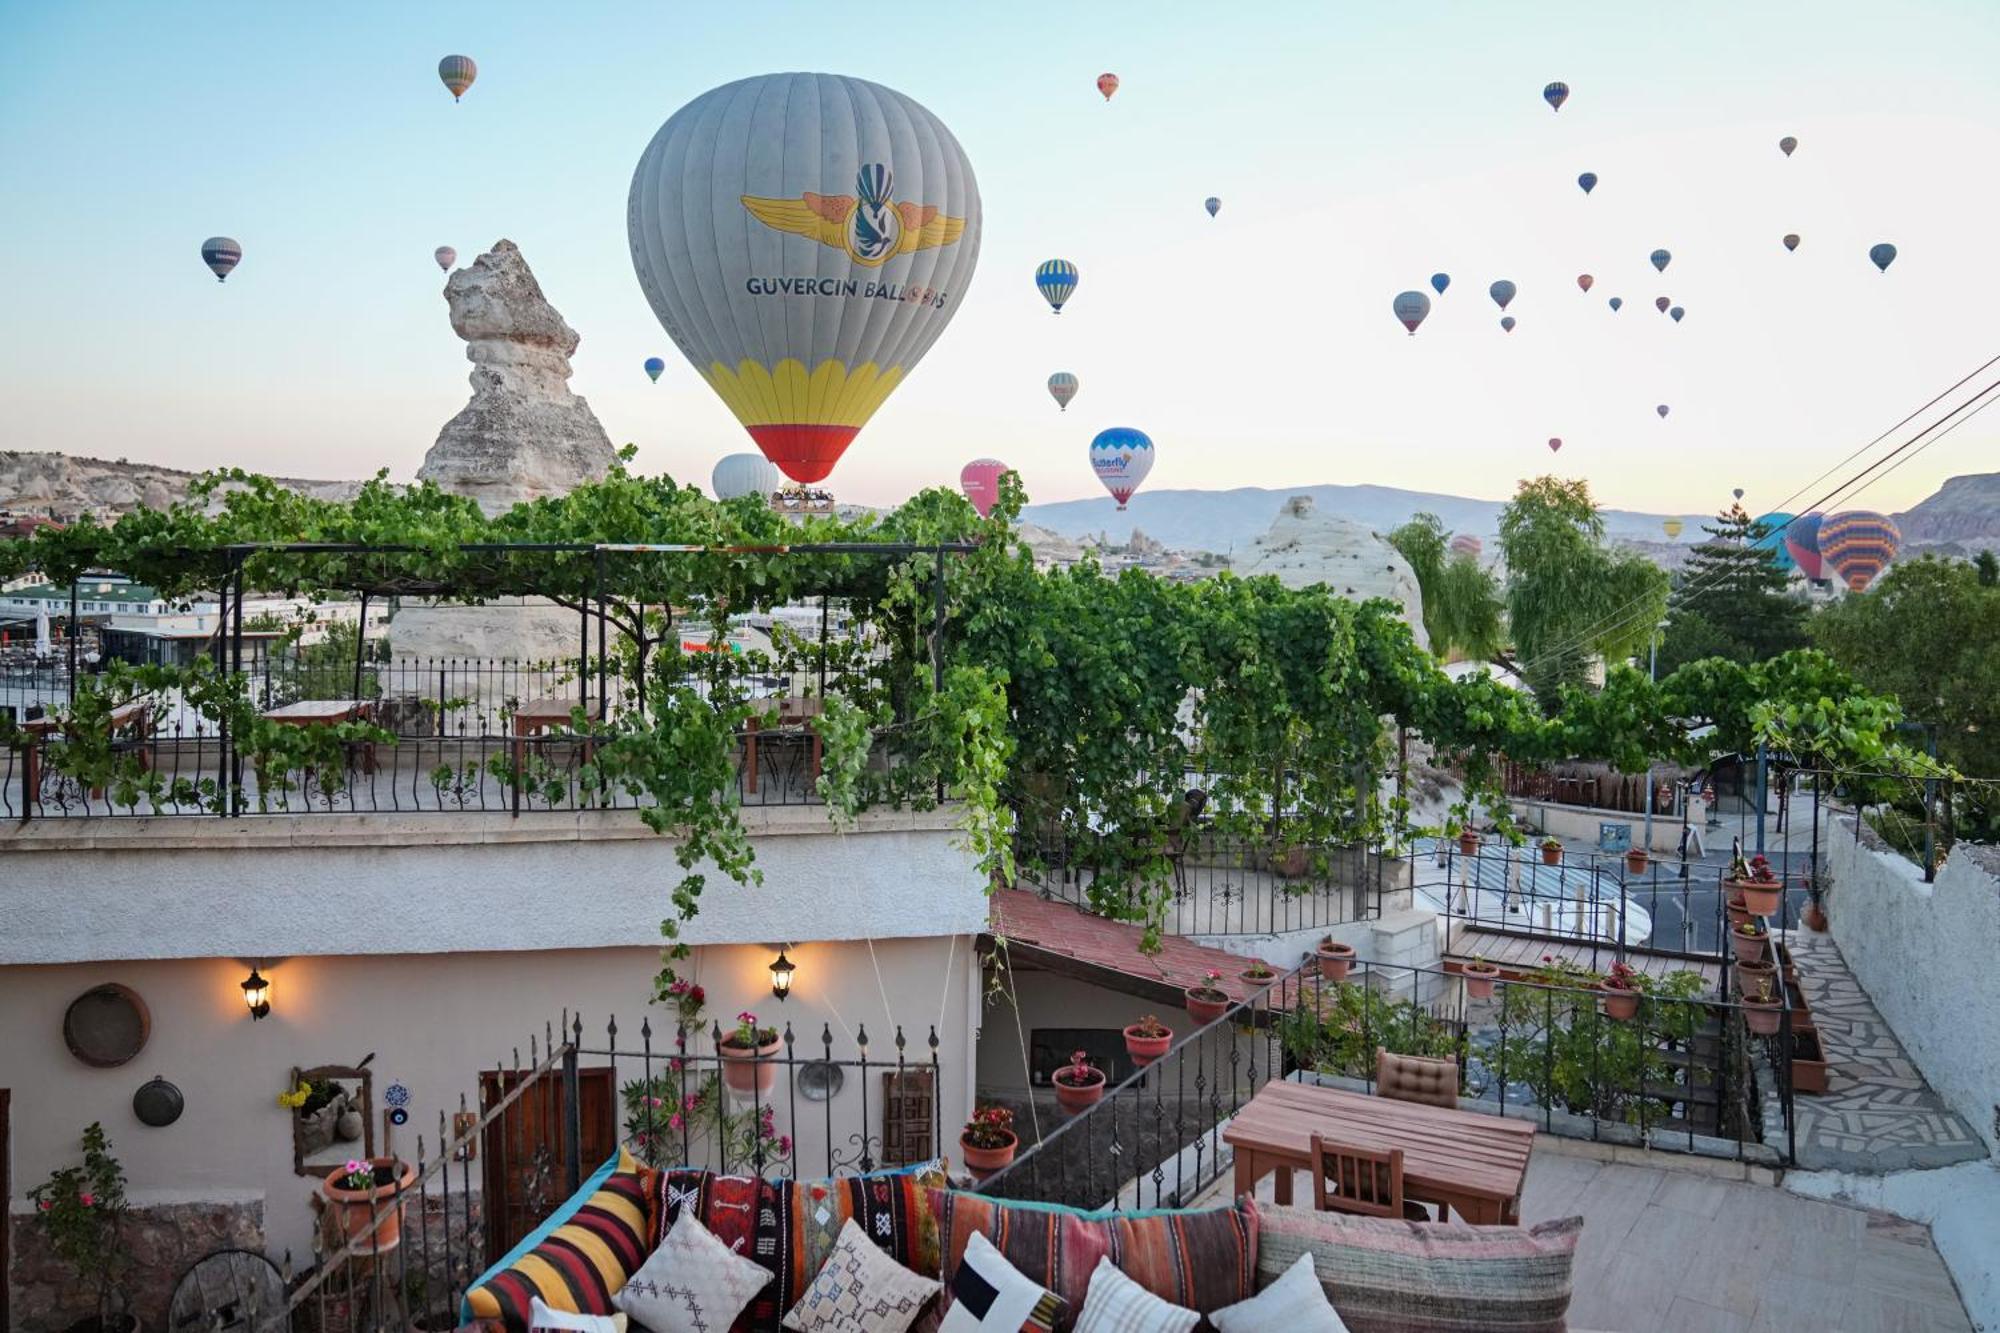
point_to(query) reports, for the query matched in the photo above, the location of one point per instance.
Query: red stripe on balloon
(804, 453)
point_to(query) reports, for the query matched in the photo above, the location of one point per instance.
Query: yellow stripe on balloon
(832, 395)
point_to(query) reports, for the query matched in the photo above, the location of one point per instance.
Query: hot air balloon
(1774, 525)
(1555, 443)
(1858, 545)
(802, 304)
(1467, 545)
(1440, 281)
(1617, 303)
(1802, 544)
(1107, 84)
(1660, 303)
(458, 72)
(1411, 307)
(1791, 240)
(1502, 292)
(1787, 144)
(1672, 527)
(1884, 254)
(1588, 180)
(1062, 388)
(1057, 279)
(654, 366)
(1555, 95)
(1212, 204)
(221, 254)
(980, 480)
(1676, 313)
(445, 256)
(1737, 493)
(1584, 280)
(1121, 457)
(1662, 410)
(1506, 323)
(737, 475)
(1660, 260)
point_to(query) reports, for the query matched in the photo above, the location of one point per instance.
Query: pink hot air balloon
(980, 480)
(1660, 303)
(1555, 443)
(1107, 84)
(1584, 280)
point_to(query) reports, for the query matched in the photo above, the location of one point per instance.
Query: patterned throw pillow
(861, 1290)
(692, 1284)
(1294, 1303)
(582, 1258)
(987, 1292)
(1380, 1272)
(541, 1319)
(1117, 1304)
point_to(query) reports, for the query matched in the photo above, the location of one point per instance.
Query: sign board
(1614, 836)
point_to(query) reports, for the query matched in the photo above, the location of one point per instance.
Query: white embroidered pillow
(542, 1319)
(1295, 1302)
(860, 1290)
(987, 1292)
(692, 1284)
(1114, 1303)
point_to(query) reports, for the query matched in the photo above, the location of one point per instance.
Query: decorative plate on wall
(819, 1080)
(107, 1025)
(158, 1103)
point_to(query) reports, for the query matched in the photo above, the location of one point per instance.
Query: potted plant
(357, 1190)
(1621, 987)
(1763, 1009)
(1552, 851)
(749, 1063)
(1479, 978)
(80, 1210)
(1749, 941)
(1334, 958)
(1208, 1001)
(1758, 885)
(988, 1142)
(1147, 1040)
(1815, 913)
(1734, 908)
(1468, 839)
(1079, 1084)
(1635, 860)
(1808, 1059)
(1754, 975)
(1259, 973)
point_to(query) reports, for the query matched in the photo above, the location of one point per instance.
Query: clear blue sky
(1356, 147)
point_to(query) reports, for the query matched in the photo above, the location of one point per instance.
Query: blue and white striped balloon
(1062, 388)
(1057, 279)
(221, 254)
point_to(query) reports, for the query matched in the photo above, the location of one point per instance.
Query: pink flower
(86, 1199)
(45, 1205)
(677, 1064)
(690, 1101)
(656, 1102)
(747, 1017)
(354, 1165)
(784, 1145)
(674, 1121)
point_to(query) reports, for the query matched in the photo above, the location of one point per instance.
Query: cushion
(1293, 1303)
(987, 1292)
(541, 1317)
(1055, 1248)
(1416, 1078)
(692, 1284)
(579, 1262)
(1117, 1304)
(1386, 1276)
(861, 1290)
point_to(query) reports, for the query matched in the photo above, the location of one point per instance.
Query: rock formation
(1304, 547)
(69, 486)
(524, 434)
(1965, 513)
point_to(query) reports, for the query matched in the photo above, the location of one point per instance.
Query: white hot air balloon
(743, 474)
(445, 256)
(804, 239)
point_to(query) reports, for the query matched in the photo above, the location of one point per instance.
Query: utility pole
(1652, 674)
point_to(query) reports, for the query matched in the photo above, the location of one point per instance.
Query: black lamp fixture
(781, 975)
(257, 994)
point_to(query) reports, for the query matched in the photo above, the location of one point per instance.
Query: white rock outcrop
(524, 434)
(1304, 547)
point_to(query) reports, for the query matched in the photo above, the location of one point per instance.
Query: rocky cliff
(1305, 546)
(65, 486)
(1965, 512)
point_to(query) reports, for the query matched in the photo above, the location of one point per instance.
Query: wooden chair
(1353, 1180)
(1416, 1078)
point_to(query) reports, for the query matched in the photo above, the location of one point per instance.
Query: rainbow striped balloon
(1858, 545)
(457, 74)
(1057, 279)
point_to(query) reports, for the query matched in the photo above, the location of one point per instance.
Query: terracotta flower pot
(1334, 959)
(1753, 975)
(988, 1160)
(1203, 1008)
(750, 1071)
(1737, 913)
(354, 1208)
(1619, 1003)
(1635, 861)
(1250, 978)
(1479, 979)
(1468, 842)
(1074, 1097)
(1145, 1050)
(1764, 1017)
(1748, 948)
(1551, 856)
(1762, 899)
(1815, 917)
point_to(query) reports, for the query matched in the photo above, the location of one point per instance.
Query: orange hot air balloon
(1584, 280)
(1107, 84)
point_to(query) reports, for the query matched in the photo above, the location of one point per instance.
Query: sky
(1356, 148)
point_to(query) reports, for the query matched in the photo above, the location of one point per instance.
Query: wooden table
(324, 713)
(535, 716)
(1472, 1164)
(795, 710)
(131, 714)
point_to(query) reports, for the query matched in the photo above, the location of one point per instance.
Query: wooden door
(523, 1177)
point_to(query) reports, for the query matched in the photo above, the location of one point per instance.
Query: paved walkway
(1877, 1114)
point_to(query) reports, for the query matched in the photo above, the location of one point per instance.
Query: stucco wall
(1924, 953)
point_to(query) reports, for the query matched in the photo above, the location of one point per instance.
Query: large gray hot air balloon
(1410, 308)
(804, 239)
(742, 474)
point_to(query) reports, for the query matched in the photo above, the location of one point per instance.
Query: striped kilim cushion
(580, 1264)
(1390, 1276)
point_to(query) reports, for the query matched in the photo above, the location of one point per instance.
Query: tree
(1569, 598)
(1731, 599)
(1988, 566)
(1462, 607)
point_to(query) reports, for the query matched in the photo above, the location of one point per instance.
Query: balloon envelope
(1507, 323)
(1588, 180)
(1774, 525)
(1676, 313)
(1466, 544)
(1555, 95)
(445, 256)
(654, 368)
(1056, 279)
(221, 254)
(1787, 144)
(1660, 303)
(1440, 281)
(1107, 84)
(1737, 493)
(1660, 260)
(1858, 545)
(1672, 527)
(1883, 254)
(804, 239)
(1662, 409)
(1502, 292)
(1791, 240)
(1617, 303)
(1121, 457)
(1411, 307)
(738, 475)
(980, 480)
(457, 72)
(1802, 544)
(1584, 280)
(1555, 443)
(1212, 204)
(1062, 388)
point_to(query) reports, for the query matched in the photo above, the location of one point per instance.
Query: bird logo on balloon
(870, 225)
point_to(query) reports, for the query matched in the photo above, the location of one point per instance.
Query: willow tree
(1463, 612)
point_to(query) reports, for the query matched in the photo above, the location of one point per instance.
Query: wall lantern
(781, 975)
(257, 994)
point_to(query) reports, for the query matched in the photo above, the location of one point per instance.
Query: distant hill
(1965, 513)
(67, 485)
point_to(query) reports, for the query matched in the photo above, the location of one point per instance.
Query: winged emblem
(869, 225)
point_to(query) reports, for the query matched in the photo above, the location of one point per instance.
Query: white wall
(1925, 954)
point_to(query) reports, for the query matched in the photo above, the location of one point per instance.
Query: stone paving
(1877, 1114)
